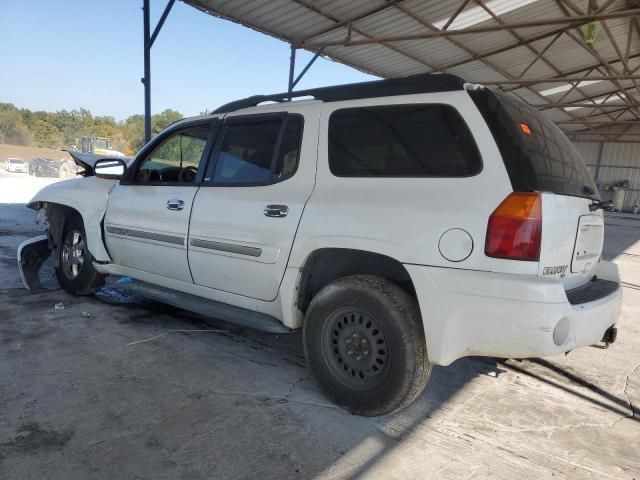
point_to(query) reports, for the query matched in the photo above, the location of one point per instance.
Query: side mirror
(113, 168)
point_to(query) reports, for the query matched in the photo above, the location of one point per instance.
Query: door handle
(175, 204)
(277, 211)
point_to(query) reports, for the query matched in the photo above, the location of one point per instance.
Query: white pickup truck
(400, 223)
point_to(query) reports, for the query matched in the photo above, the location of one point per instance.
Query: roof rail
(420, 83)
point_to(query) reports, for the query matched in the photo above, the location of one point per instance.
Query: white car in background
(16, 165)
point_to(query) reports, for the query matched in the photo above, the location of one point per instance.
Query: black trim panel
(160, 237)
(419, 83)
(592, 291)
(209, 308)
(226, 247)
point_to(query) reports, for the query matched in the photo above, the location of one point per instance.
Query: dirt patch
(31, 437)
(29, 153)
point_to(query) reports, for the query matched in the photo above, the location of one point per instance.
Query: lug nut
(349, 352)
(358, 357)
(364, 341)
(366, 352)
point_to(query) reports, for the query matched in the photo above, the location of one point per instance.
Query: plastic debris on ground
(86, 315)
(58, 306)
(118, 295)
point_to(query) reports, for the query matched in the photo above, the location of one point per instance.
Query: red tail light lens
(514, 230)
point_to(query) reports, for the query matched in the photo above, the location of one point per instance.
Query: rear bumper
(513, 316)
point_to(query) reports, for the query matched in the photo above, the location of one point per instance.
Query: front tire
(365, 345)
(75, 272)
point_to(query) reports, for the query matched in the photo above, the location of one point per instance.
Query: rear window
(16, 160)
(537, 154)
(401, 141)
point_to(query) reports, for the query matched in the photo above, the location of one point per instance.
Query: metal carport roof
(578, 60)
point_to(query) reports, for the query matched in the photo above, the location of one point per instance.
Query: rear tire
(365, 345)
(75, 272)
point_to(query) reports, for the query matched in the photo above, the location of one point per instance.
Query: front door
(247, 211)
(147, 219)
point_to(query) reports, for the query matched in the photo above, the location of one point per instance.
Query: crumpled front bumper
(31, 255)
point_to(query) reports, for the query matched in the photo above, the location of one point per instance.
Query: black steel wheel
(355, 348)
(365, 345)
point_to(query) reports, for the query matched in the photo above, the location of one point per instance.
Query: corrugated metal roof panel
(480, 57)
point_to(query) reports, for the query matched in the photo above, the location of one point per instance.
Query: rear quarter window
(415, 140)
(537, 154)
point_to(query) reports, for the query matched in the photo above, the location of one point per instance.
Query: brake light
(514, 230)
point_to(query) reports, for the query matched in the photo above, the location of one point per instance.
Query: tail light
(514, 230)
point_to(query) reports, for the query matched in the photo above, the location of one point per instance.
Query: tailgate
(572, 239)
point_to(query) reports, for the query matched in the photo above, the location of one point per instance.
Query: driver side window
(176, 159)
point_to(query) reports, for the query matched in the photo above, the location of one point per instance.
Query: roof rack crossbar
(420, 83)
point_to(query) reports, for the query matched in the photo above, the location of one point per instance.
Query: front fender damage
(32, 253)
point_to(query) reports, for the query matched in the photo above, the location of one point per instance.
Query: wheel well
(57, 216)
(326, 265)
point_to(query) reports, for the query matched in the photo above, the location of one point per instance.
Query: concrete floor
(80, 399)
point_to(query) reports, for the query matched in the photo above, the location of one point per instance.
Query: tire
(75, 272)
(65, 170)
(365, 345)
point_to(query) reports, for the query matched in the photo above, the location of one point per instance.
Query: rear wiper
(608, 206)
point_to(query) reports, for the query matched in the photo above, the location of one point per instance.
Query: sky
(68, 54)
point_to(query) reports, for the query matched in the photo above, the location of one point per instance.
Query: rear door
(539, 157)
(245, 215)
(147, 219)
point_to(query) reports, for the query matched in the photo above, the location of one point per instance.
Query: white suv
(400, 223)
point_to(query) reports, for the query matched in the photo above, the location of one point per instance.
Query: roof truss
(527, 50)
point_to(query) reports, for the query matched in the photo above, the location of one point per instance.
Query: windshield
(15, 160)
(537, 154)
(100, 143)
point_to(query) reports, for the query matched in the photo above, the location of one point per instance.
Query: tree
(162, 120)
(45, 133)
(61, 129)
(12, 127)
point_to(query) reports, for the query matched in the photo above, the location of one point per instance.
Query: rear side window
(537, 154)
(258, 151)
(401, 141)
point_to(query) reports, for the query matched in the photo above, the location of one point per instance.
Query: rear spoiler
(88, 160)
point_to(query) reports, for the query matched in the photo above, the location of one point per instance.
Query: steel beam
(149, 38)
(304, 70)
(574, 21)
(292, 67)
(561, 79)
(146, 80)
(163, 17)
